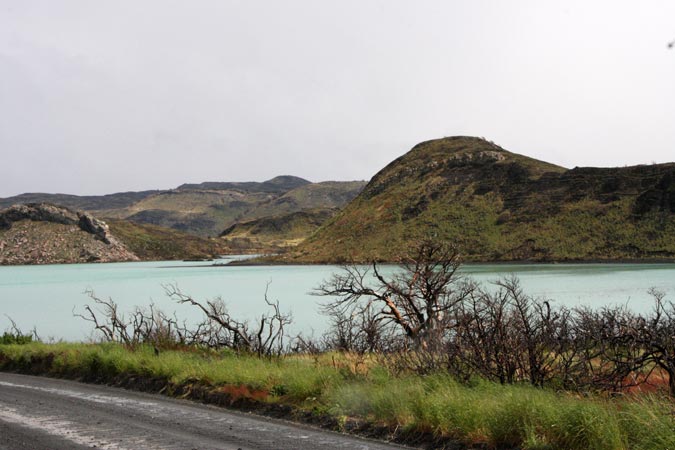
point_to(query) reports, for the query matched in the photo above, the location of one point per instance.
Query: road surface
(43, 413)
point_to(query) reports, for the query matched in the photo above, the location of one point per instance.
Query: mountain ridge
(278, 184)
(206, 209)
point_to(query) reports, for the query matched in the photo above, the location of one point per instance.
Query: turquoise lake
(46, 296)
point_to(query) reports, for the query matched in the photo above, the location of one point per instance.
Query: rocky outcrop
(41, 233)
(45, 212)
(40, 212)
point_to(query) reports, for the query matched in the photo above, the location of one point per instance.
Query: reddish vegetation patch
(657, 381)
(241, 392)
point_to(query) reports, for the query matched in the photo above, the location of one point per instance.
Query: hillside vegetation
(154, 243)
(324, 195)
(274, 234)
(501, 206)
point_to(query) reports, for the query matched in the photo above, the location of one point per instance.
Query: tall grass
(510, 416)
(516, 416)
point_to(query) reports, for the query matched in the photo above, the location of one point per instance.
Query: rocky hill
(501, 206)
(48, 234)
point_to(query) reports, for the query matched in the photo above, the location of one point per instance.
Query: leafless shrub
(218, 329)
(140, 326)
(357, 330)
(606, 353)
(657, 337)
(223, 330)
(626, 348)
(508, 336)
(308, 344)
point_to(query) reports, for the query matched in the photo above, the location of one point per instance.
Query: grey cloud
(105, 96)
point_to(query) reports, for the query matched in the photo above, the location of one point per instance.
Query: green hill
(501, 206)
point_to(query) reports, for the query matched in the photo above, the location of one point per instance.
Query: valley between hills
(495, 205)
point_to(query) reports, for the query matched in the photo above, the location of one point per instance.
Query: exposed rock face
(49, 234)
(42, 212)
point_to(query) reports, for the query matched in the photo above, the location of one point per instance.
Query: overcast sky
(106, 96)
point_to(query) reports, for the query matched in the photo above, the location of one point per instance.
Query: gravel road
(43, 413)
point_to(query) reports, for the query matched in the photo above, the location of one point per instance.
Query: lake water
(45, 296)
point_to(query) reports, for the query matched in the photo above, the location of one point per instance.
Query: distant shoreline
(263, 262)
(254, 262)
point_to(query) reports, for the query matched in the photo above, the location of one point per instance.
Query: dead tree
(416, 299)
(537, 329)
(269, 340)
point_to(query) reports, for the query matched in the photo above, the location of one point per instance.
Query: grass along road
(59, 414)
(434, 410)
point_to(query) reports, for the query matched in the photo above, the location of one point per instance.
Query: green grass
(510, 416)
(484, 413)
(18, 338)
